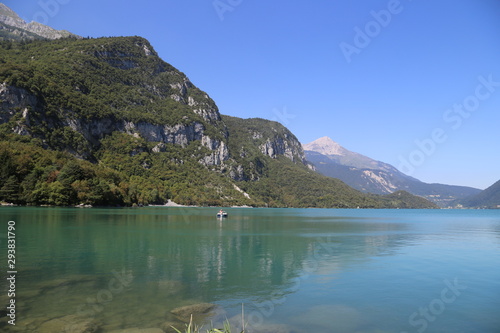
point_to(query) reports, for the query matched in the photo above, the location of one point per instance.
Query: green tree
(10, 190)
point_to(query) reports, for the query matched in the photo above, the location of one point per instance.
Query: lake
(285, 270)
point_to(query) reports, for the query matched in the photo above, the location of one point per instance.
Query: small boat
(221, 214)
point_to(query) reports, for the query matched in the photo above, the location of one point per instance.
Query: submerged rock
(24, 324)
(66, 281)
(70, 324)
(138, 330)
(29, 294)
(4, 300)
(199, 312)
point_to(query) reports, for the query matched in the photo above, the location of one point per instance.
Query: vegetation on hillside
(489, 198)
(109, 80)
(116, 78)
(127, 173)
(283, 183)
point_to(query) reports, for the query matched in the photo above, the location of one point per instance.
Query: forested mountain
(107, 122)
(489, 198)
(371, 176)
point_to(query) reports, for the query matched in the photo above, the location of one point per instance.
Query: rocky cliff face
(14, 101)
(155, 91)
(286, 145)
(253, 140)
(24, 110)
(149, 81)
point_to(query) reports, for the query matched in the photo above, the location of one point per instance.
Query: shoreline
(172, 204)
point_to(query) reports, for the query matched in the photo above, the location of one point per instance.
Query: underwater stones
(66, 281)
(29, 294)
(199, 312)
(4, 300)
(69, 324)
(138, 330)
(28, 324)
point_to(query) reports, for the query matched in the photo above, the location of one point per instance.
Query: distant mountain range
(368, 175)
(12, 27)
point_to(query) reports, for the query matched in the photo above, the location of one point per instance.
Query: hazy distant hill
(12, 27)
(368, 175)
(489, 198)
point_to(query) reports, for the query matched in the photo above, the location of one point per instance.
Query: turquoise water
(294, 270)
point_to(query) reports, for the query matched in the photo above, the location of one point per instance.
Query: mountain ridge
(371, 176)
(14, 27)
(326, 146)
(339, 154)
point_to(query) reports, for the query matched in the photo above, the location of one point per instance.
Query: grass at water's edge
(192, 328)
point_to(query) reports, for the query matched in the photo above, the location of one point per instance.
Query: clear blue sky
(375, 76)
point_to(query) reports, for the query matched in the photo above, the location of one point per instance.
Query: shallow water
(294, 270)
